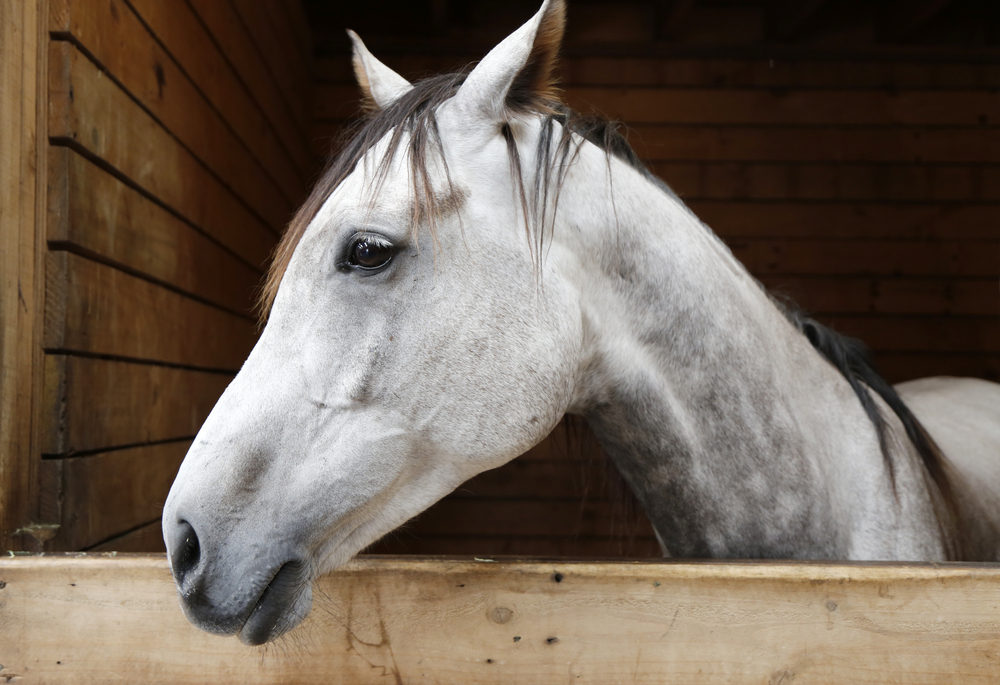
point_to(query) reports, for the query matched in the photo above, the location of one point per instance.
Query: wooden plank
(92, 211)
(440, 621)
(190, 44)
(22, 248)
(831, 295)
(620, 546)
(746, 106)
(815, 72)
(921, 334)
(287, 68)
(230, 34)
(475, 517)
(795, 144)
(542, 479)
(869, 258)
(95, 309)
(113, 34)
(897, 367)
(836, 220)
(96, 403)
(89, 112)
(104, 495)
(145, 540)
(825, 181)
(752, 106)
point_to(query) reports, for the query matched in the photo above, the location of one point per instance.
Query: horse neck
(735, 435)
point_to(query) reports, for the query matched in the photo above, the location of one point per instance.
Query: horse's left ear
(380, 84)
(516, 76)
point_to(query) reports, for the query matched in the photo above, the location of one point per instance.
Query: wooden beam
(904, 18)
(413, 620)
(23, 107)
(787, 18)
(669, 17)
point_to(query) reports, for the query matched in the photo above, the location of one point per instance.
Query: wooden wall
(861, 180)
(176, 152)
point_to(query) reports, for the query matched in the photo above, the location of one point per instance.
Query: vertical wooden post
(23, 143)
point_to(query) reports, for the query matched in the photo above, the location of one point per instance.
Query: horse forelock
(411, 120)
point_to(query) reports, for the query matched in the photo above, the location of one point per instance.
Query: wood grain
(22, 248)
(93, 212)
(95, 309)
(96, 403)
(462, 621)
(752, 106)
(89, 112)
(105, 494)
(190, 44)
(854, 220)
(230, 34)
(113, 34)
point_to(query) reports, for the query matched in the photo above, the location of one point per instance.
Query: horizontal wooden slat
(288, 69)
(921, 334)
(96, 403)
(88, 110)
(749, 106)
(95, 309)
(897, 367)
(760, 143)
(823, 295)
(463, 621)
(91, 210)
(620, 546)
(741, 106)
(867, 258)
(113, 34)
(145, 540)
(184, 36)
(834, 220)
(456, 517)
(846, 182)
(107, 494)
(709, 72)
(543, 479)
(229, 33)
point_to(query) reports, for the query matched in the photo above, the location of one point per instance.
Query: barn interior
(847, 151)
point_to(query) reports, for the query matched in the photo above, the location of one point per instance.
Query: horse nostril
(187, 552)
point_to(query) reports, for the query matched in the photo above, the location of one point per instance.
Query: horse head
(419, 332)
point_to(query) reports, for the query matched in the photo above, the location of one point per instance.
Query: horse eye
(370, 252)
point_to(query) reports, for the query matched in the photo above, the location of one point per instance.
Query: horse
(481, 261)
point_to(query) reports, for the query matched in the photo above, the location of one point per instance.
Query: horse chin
(283, 604)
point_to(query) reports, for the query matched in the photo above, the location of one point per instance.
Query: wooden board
(114, 35)
(89, 112)
(188, 42)
(867, 258)
(752, 106)
(98, 310)
(94, 404)
(230, 34)
(850, 182)
(624, 544)
(584, 70)
(92, 212)
(106, 494)
(897, 367)
(832, 295)
(22, 248)
(912, 144)
(866, 220)
(461, 621)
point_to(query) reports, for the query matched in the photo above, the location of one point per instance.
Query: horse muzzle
(257, 599)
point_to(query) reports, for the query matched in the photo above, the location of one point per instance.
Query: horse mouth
(278, 609)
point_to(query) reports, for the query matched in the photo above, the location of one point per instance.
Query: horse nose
(185, 550)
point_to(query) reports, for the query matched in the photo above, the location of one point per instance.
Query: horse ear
(380, 84)
(516, 76)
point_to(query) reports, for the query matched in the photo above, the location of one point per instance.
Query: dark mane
(414, 113)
